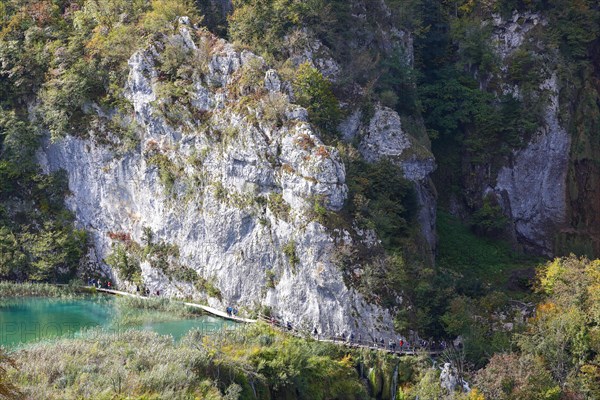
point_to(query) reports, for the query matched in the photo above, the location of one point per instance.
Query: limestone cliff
(530, 182)
(231, 186)
(532, 185)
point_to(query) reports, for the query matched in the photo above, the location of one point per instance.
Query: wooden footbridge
(341, 341)
(207, 309)
(354, 343)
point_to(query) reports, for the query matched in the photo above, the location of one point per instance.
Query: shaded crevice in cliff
(541, 170)
(583, 234)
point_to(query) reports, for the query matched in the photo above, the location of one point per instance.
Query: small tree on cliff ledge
(314, 92)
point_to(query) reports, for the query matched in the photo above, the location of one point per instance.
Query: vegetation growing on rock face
(127, 266)
(479, 108)
(289, 249)
(264, 24)
(381, 199)
(72, 57)
(314, 92)
(37, 238)
(63, 66)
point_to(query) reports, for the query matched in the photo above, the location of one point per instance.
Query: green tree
(398, 76)
(476, 322)
(575, 26)
(127, 265)
(54, 252)
(314, 92)
(12, 258)
(263, 24)
(509, 376)
(489, 219)
(381, 199)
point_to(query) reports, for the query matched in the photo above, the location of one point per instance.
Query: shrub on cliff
(37, 238)
(263, 24)
(314, 92)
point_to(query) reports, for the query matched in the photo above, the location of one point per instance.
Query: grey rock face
(510, 34)
(532, 187)
(448, 378)
(535, 182)
(304, 47)
(272, 81)
(384, 137)
(243, 190)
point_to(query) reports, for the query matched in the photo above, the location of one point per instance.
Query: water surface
(31, 319)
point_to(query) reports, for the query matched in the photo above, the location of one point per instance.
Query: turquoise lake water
(31, 319)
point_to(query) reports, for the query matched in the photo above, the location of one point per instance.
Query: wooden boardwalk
(370, 345)
(353, 344)
(209, 310)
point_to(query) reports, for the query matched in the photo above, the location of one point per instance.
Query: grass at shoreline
(255, 362)
(132, 311)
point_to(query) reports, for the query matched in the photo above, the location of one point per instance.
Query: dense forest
(528, 323)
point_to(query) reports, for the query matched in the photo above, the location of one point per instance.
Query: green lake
(31, 319)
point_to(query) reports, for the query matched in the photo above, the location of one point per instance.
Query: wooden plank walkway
(354, 344)
(209, 310)
(337, 341)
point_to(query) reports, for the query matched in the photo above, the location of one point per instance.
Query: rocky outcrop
(232, 186)
(385, 137)
(304, 47)
(510, 34)
(533, 186)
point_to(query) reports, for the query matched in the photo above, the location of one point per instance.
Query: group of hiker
(232, 311)
(287, 325)
(97, 283)
(400, 344)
